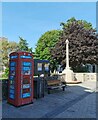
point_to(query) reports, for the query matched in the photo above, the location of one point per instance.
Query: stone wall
(80, 76)
(85, 76)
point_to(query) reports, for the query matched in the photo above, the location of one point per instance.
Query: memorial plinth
(69, 74)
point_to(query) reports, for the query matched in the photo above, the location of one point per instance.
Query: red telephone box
(20, 83)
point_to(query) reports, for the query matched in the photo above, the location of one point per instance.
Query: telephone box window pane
(26, 86)
(26, 63)
(46, 67)
(26, 90)
(11, 91)
(11, 77)
(25, 95)
(11, 82)
(12, 63)
(25, 81)
(39, 66)
(23, 56)
(26, 70)
(12, 96)
(14, 56)
(11, 86)
(12, 68)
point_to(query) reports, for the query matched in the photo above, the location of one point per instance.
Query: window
(23, 56)
(12, 79)
(26, 81)
(39, 66)
(12, 96)
(12, 63)
(11, 82)
(26, 68)
(25, 86)
(11, 91)
(14, 56)
(47, 67)
(26, 64)
(25, 95)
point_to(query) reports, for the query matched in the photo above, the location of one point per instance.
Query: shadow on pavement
(76, 101)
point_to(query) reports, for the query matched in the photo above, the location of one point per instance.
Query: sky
(32, 19)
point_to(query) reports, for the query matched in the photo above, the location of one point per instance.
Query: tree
(83, 44)
(86, 25)
(23, 45)
(45, 42)
(5, 49)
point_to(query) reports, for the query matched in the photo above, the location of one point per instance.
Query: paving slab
(59, 104)
(85, 108)
(0, 110)
(0, 99)
(0, 90)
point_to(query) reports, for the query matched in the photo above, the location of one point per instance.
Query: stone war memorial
(69, 75)
(67, 72)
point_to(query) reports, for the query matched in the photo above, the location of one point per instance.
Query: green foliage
(80, 68)
(71, 20)
(6, 73)
(83, 44)
(23, 45)
(6, 48)
(4, 51)
(45, 43)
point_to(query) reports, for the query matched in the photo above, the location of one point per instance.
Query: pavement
(0, 90)
(77, 101)
(0, 99)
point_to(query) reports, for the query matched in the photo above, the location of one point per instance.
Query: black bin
(39, 87)
(4, 89)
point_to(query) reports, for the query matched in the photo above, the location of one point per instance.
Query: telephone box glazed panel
(20, 83)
